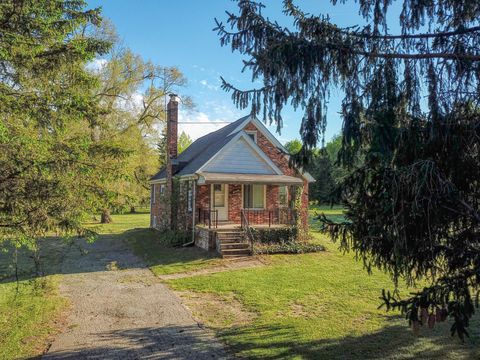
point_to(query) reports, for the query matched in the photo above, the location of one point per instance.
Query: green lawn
(313, 306)
(162, 259)
(317, 306)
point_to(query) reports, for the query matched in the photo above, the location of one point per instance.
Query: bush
(167, 237)
(287, 248)
(275, 236)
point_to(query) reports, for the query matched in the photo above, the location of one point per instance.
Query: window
(162, 189)
(154, 221)
(152, 196)
(254, 196)
(253, 135)
(283, 195)
(218, 195)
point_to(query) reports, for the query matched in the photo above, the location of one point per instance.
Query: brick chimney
(172, 126)
(172, 138)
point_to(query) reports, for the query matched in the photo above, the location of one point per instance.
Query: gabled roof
(202, 150)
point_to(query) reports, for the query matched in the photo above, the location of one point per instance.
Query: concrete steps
(233, 244)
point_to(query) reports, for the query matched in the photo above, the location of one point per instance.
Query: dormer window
(253, 135)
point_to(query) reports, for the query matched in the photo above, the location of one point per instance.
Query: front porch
(229, 206)
(254, 218)
(253, 200)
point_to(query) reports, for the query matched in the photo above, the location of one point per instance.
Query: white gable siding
(239, 158)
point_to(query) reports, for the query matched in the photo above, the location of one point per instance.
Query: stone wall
(205, 239)
(161, 206)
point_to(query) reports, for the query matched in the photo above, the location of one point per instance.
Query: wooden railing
(279, 216)
(208, 217)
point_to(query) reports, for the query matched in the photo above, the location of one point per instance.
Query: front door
(220, 200)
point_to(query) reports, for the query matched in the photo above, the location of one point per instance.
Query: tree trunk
(132, 210)
(105, 218)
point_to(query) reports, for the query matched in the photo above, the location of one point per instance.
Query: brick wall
(234, 202)
(281, 161)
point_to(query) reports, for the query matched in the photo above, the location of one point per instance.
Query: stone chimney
(172, 139)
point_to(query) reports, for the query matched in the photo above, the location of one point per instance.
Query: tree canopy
(410, 112)
(133, 92)
(53, 169)
(293, 146)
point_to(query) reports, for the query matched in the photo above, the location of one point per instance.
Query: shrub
(167, 237)
(287, 248)
(275, 236)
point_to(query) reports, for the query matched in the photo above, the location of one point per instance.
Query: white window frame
(162, 189)
(254, 133)
(154, 221)
(264, 197)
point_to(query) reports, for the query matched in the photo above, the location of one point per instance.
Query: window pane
(219, 195)
(258, 196)
(282, 195)
(247, 196)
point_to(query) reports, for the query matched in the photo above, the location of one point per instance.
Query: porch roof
(232, 178)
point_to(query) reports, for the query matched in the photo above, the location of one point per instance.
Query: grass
(121, 223)
(164, 260)
(320, 306)
(29, 316)
(312, 306)
(154, 246)
(30, 313)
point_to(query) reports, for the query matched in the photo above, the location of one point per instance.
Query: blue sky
(179, 33)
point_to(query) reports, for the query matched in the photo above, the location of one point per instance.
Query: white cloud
(96, 64)
(133, 103)
(196, 130)
(209, 85)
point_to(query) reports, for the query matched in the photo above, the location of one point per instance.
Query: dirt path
(120, 310)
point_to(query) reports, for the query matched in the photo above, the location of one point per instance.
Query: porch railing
(279, 216)
(247, 229)
(208, 217)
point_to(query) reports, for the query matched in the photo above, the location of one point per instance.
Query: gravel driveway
(120, 310)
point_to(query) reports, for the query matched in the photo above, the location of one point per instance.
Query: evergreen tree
(53, 168)
(413, 206)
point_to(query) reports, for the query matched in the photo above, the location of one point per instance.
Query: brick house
(226, 181)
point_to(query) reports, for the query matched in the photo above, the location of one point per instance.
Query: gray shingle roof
(201, 150)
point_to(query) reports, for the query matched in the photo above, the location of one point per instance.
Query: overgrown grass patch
(28, 317)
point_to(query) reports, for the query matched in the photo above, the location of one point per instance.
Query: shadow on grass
(390, 342)
(130, 249)
(265, 342)
(168, 342)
